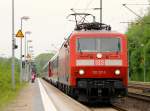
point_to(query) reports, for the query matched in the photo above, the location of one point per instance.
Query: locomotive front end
(99, 64)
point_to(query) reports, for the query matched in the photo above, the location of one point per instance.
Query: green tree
(139, 48)
(41, 60)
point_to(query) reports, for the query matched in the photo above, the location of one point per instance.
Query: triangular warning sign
(19, 34)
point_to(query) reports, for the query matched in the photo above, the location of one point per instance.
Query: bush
(6, 91)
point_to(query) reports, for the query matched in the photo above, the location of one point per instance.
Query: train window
(55, 63)
(108, 44)
(98, 45)
(86, 45)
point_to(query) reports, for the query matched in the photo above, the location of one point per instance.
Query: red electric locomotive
(91, 64)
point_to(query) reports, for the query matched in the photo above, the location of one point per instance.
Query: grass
(7, 94)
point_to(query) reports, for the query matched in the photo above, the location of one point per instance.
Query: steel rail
(139, 96)
(119, 108)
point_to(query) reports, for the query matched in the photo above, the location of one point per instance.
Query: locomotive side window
(54, 63)
(98, 45)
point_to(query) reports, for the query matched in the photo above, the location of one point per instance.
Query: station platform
(42, 96)
(29, 99)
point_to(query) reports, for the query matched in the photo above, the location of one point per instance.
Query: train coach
(91, 64)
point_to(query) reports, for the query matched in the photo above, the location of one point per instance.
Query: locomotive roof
(96, 31)
(82, 32)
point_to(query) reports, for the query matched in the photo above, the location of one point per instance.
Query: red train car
(91, 65)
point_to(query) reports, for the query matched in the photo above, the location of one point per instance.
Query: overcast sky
(48, 22)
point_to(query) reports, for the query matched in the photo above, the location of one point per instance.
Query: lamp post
(29, 49)
(28, 41)
(142, 45)
(13, 49)
(22, 18)
(25, 46)
(28, 63)
(25, 43)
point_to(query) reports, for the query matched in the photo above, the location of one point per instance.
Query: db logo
(100, 62)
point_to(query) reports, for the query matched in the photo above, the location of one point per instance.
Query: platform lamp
(25, 18)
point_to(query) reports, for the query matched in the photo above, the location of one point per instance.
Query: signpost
(13, 48)
(20, 35)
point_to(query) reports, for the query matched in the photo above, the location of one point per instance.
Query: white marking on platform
(47, 103)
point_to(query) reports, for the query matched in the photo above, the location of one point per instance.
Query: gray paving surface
(29, 99)
(37, 101)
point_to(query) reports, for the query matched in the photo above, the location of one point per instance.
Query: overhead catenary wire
(137, 4)
(125, 5)
(85, 9)
(79, 16)
(88, 5)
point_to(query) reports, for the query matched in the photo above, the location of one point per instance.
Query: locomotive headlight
(81, 72)
(117, 72)
(99, 55)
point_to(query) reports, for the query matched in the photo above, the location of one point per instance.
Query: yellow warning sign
(19, 34)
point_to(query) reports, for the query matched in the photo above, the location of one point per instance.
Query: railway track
(77, 105)
(140, 91)
(105, 107)
(119, 108)
(111, 108)
(139, 96)
(134, 102)
(145, 87)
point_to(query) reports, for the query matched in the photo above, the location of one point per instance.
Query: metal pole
(27, 61)
(21, 55)
(21, 24)
(100, 11)
(27, 48)
(144, 66)
(13, 48)
(25, 53)
(21, 61)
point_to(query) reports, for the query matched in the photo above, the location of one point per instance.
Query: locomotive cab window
(98, 45)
